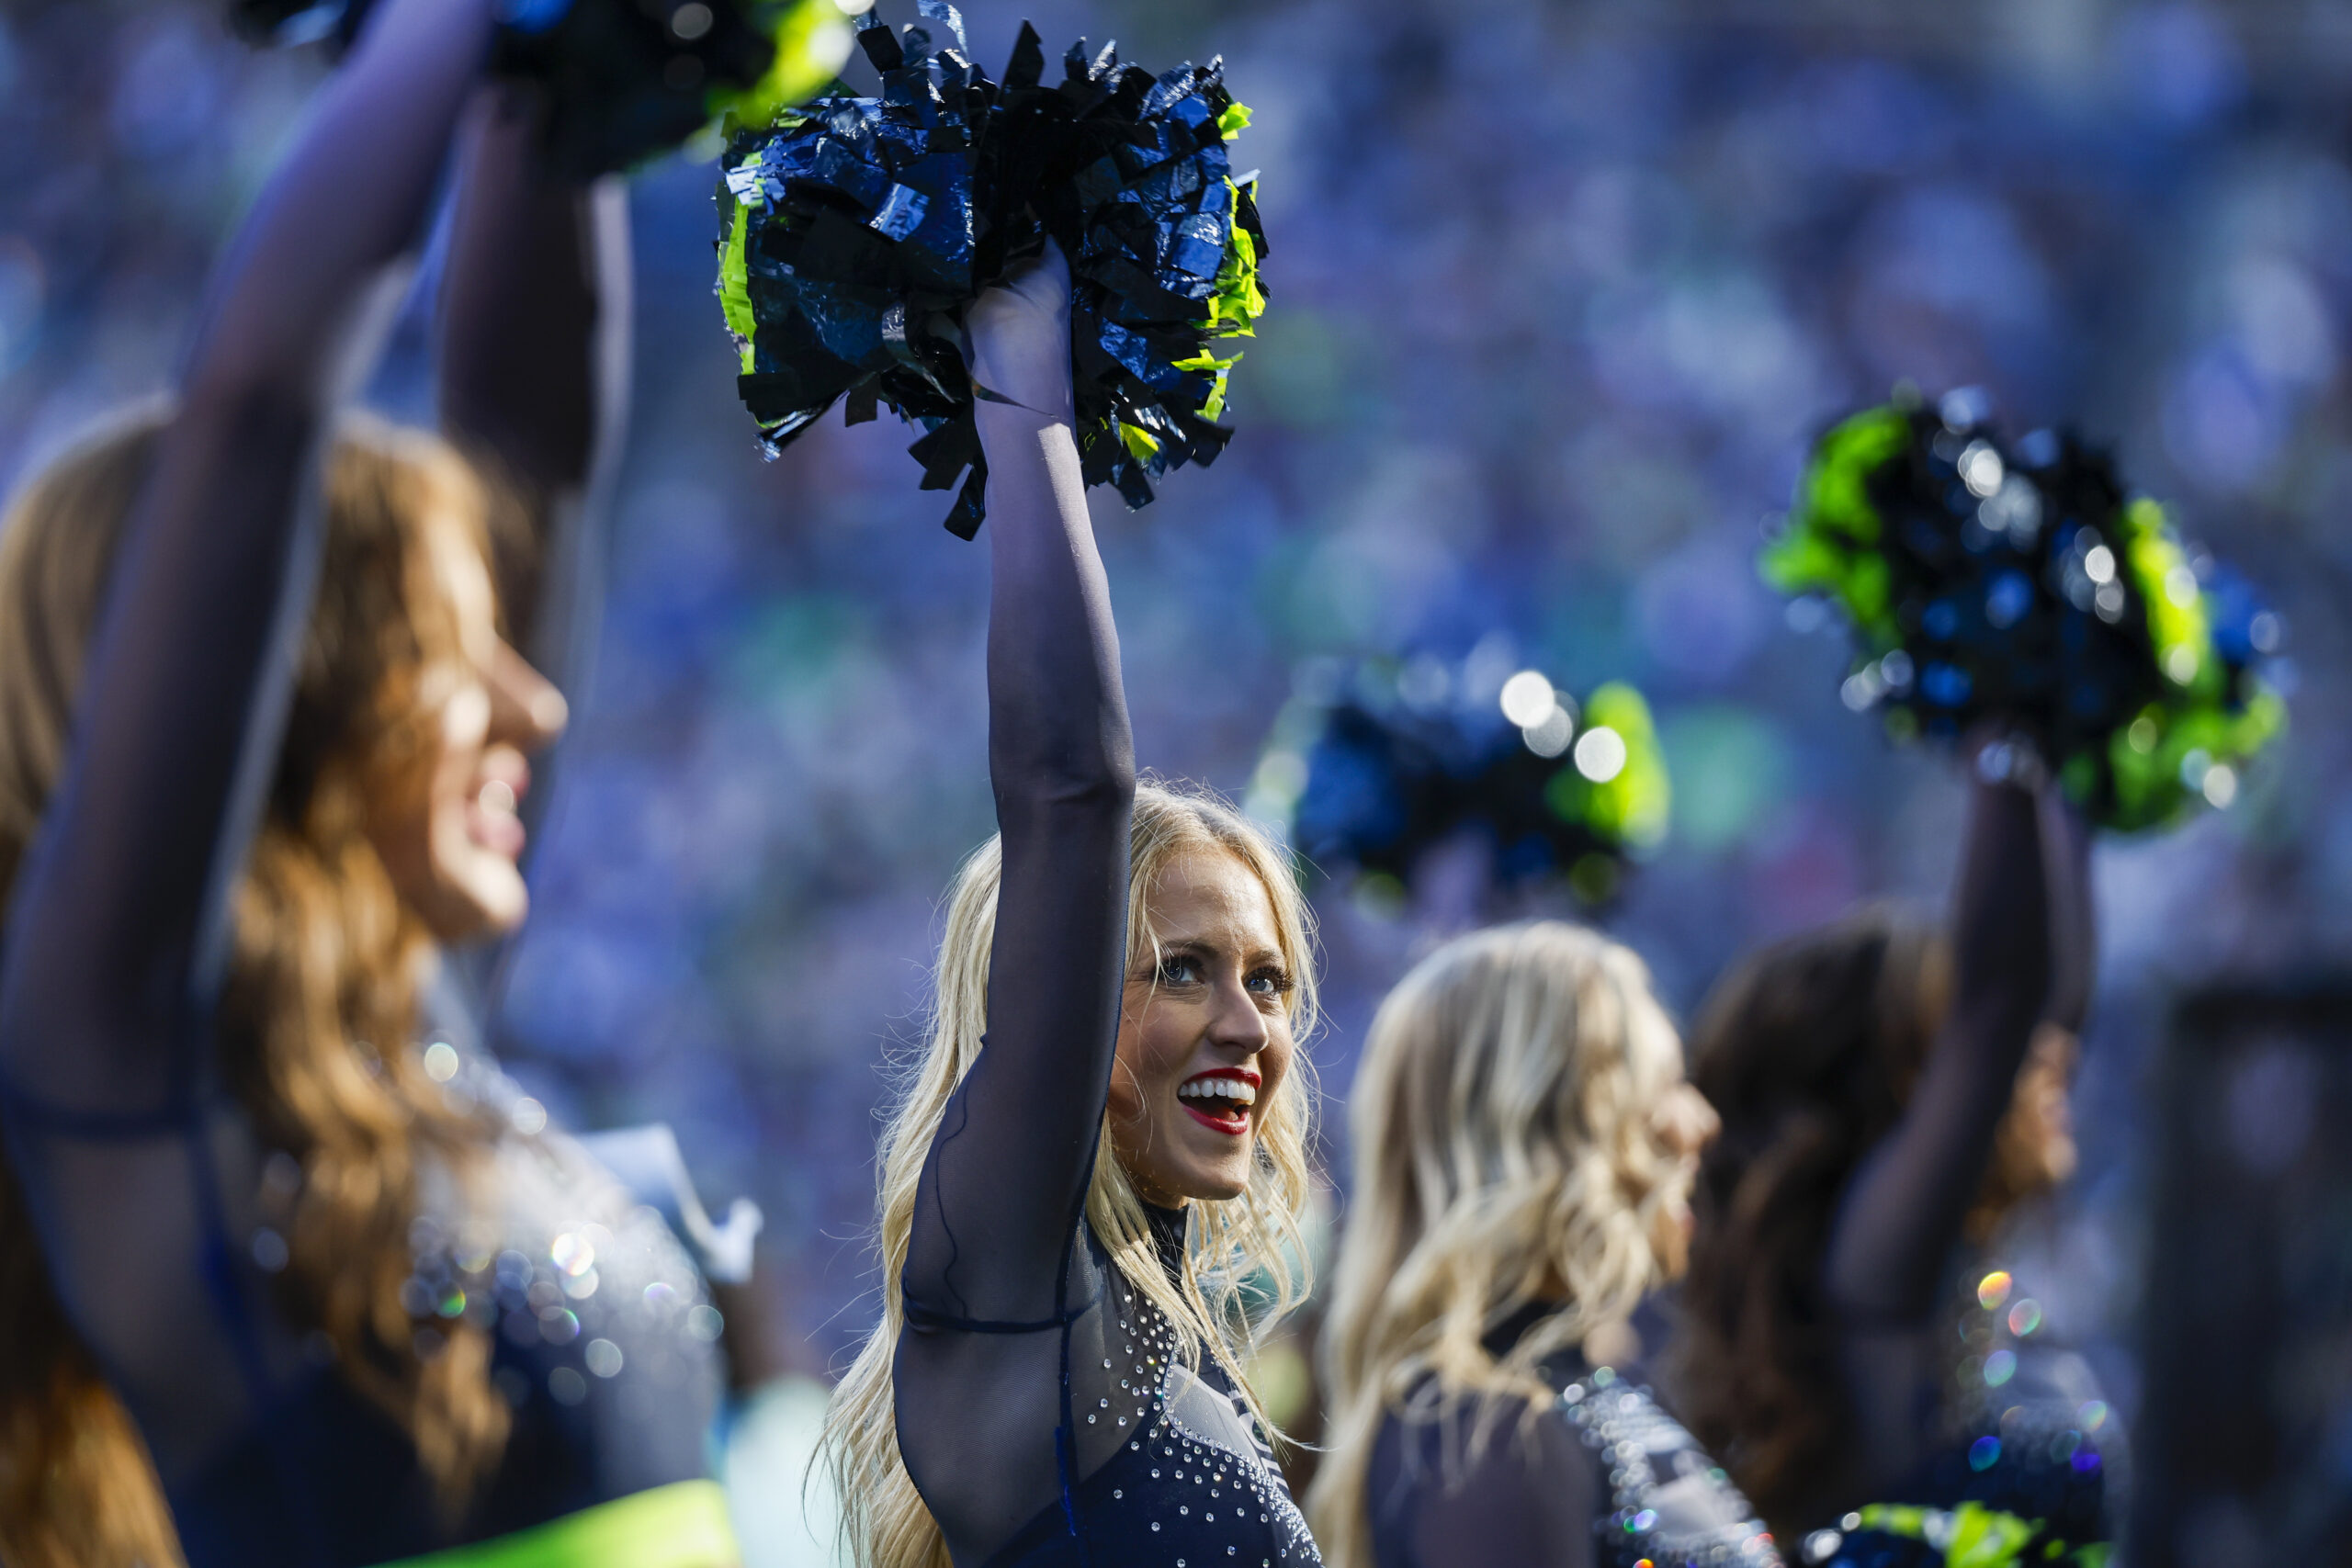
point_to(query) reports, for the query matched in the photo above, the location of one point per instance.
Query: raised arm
(534, 365)
(1902, 1212)
(117, 935)
(1009, 1169)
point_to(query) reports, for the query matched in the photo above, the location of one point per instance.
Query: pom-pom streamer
(2021, 586)
(855, 231)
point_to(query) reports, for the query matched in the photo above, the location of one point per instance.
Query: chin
(476, 904)
(1217, 1186)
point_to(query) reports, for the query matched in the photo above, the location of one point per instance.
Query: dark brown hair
(1808, 1051)
(323, 974)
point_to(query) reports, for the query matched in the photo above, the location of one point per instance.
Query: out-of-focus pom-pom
(625, 79)
(1370, 780)
(2021, 586)
(287, 24)
(856, 230)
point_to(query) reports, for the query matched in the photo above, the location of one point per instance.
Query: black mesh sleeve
(1006, 1177)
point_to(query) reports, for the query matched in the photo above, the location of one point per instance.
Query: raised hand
(1017, 336)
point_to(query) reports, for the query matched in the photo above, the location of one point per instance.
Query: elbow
(247, 402)
(1082, 783)
(2000, 997)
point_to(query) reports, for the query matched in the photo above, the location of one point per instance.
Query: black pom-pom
(856, 229)
(624, 79)
(2022, 586)
(289, 23)
(1557, 791)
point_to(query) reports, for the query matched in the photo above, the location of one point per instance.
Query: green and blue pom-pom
(2022, 585)
(625, 79)
(1560, 791)
(856, 230)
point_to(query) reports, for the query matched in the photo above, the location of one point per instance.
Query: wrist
(1034, 377)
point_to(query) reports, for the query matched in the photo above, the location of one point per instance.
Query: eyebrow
(1204, 947)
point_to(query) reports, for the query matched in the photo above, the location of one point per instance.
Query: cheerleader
(1888, 1090)
(1104, 1138)
(1524, 1150)
(361, 1305)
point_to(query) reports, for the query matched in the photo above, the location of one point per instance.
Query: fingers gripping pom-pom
(1385, 766)
(624, 79)
(2021, 587)
(855, 231)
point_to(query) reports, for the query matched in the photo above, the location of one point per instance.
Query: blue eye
(1179, 971)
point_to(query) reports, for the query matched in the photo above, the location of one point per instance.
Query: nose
(1688, 1123)
(525, 710)
(1236, 1023)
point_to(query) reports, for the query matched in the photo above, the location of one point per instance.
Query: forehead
(1212, 896)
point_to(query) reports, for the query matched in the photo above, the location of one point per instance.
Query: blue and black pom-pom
(2023, 586)
(1557, 790)
(856, 229)
(624, 79)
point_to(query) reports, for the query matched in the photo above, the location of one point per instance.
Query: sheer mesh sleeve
(116, 937)
(1902, 1212)
(534, 361)
(1901, 1215)
(997, 1212)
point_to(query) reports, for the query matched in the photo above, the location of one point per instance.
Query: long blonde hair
(325, 960)
(1505, 1148)
(1244, 1262)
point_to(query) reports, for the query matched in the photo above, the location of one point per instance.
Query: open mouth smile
(1220, 1099)
(490, 819)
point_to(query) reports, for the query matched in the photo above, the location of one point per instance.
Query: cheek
(1274, 1061)
(465, 726)
(1141, 1064)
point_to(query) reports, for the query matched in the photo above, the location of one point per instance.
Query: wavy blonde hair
(1246, 1258)
(1505, 1152)
(326, 958)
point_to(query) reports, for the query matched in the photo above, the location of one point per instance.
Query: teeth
(1218, 1088)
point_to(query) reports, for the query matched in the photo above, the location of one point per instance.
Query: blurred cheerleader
(1888, 1090)
(1524, 1148)
(263, 737)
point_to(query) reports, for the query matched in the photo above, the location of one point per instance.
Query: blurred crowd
(1559, 294)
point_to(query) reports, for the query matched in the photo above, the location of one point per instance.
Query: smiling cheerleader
(1105, 1136)
(261, 740)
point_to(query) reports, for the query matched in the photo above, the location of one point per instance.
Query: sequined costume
(2027, 1453)
(156, 1199)
(1037, 1409)
(1603, 1478)
(1189, 1479)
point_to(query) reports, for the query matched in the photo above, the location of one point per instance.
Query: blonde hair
(1245, 1263)
(325, 959)
(1504, 1149)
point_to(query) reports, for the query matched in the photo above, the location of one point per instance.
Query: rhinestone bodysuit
(1190, 1480)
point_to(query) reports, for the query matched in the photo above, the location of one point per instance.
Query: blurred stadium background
(1559, 294)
